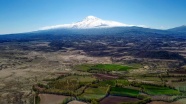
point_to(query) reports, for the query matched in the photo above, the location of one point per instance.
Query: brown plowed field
(105, 76)
(51, 99)
(117, 100)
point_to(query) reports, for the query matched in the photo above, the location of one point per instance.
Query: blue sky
(28, 15)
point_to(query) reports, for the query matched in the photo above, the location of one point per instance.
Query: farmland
(157, 90)
(48, 98)
(108, 87)
(124, 92)
(88, 69)
(117, 100)
(94, 93)
(104, 67)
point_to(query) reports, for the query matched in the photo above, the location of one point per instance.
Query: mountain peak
(89, 22)
(91, 18)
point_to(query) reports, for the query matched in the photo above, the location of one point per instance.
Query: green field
(124, 92)
(111, 67)
(158, 90)
(82, 79)
(83, 67)
(80, 90)
(103, 67)
(64, 85)
(122, 82)
(71, 82)
(107, 83)
(94, 93)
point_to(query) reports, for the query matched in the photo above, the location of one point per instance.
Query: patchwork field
(105, 87)
(94, 80)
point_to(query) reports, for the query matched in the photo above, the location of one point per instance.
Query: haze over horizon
(23, 16)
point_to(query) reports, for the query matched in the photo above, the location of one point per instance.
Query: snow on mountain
(89, 22)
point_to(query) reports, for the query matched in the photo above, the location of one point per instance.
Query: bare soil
(21, 69)
(117, 100)
(51, 99)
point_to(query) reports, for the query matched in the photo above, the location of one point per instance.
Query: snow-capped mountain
(89, 22)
